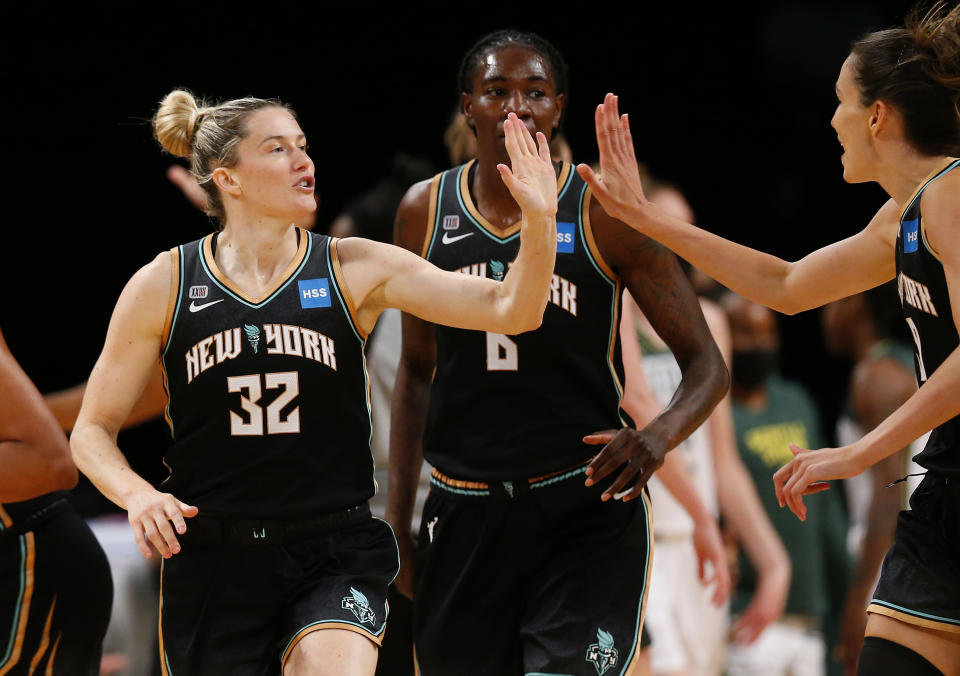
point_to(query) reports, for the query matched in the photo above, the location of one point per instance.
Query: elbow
(65, 476)
(521, 322)
(720, 384)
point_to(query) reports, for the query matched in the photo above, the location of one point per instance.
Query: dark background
(731, 102)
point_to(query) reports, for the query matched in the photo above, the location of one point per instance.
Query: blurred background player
(688, 627)
(55, 587)
(769, 414)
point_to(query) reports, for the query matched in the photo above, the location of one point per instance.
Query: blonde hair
(206, 134)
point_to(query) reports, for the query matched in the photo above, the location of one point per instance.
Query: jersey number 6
(250, 393)
(501, 353)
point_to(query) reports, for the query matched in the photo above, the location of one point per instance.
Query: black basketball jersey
(926, 307)
(518, 406)
(269, 405)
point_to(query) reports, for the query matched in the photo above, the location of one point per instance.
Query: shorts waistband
(216, 532)
(505, 488)
(28, 523)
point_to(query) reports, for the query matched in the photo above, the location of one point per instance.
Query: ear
(558, 102)
(879, 117)
(227, 181)
(466, 107)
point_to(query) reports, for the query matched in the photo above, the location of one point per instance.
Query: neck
(259, 247)
(905, 170)
(490, 193)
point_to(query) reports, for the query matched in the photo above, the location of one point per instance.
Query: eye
(537, 94)
(276, 149)
(496, 91)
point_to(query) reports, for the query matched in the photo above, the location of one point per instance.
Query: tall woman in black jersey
(897, 120)
(260, 330)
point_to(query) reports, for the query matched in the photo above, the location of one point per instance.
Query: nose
(518, 104)
(302, 161)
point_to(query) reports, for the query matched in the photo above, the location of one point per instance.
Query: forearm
(753, 274)
(933, 404)
(701, 388)
(407, 421)
(96, 454)
(741, 506)
(676, 479)
(532, 269)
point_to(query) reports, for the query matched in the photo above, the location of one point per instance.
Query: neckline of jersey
(466, 201)
(935, 174)
(217, 275)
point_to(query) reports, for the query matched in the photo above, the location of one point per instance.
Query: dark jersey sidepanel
(517, 406)
(926, 306)
(268, 400)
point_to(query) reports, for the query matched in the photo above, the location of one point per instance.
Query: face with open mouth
(275, 175)
(851, 121)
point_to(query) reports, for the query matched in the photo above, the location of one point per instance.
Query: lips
(306, 183)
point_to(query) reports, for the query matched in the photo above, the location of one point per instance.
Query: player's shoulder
(413, 213)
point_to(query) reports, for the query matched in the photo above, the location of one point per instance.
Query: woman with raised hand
(260, 330)
(897, 120)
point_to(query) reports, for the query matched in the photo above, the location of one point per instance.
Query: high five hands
(530, 178)
(618, 187)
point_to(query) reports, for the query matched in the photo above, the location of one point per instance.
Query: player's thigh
(332, 652)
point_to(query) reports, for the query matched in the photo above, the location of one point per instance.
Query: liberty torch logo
(496, 270)
(253, 336)
(359, 606)
(602, 653)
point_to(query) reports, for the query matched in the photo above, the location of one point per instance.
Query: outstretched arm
(129, 355)
(855, 264)
(381, 276)
(34, 455)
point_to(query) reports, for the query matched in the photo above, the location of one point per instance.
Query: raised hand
(618, 187)
(639, 454)
(150, 514)
(188, 185)
(808, 473)
(530, 178)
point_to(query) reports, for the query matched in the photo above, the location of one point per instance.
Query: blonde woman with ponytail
(898, 120)
(271, 560)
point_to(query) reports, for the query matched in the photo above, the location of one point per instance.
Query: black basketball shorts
(920, 574)
(241, 595)
(536, 576)
(55, 595)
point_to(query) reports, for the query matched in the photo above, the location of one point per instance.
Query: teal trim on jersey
(459, 491)
(946, 169)
(916, 613)
(363, 355)
(566, 185)
(16, 615)
(583, 236)
(643, 591)
(466, 212)
(173, 324)
(296, 273)
(562, 477)
(436, 215)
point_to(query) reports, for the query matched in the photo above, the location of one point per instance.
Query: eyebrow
(281, 137)
(496, 77)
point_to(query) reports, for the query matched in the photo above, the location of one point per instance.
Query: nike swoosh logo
(447, 239)
(196, 308)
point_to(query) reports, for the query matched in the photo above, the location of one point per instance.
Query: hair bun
(176, 122)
